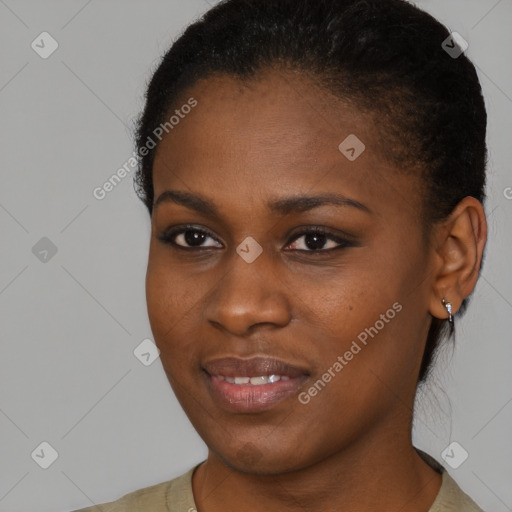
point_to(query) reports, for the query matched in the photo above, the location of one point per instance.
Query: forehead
(281, 111)
(278, 131)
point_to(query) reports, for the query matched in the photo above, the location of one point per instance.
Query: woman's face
(329, 327)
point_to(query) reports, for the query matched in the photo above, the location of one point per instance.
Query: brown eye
(318, 240)
(189, 237)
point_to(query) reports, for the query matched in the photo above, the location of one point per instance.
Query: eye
(315, 239)
(189, 237)
(318, 240)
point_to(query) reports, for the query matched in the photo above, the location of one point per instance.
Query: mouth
(252, 385)
(253, 381)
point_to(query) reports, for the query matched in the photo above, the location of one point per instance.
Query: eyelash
(168, 238)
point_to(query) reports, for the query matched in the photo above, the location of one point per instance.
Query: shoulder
(452, 498)
(170, 496)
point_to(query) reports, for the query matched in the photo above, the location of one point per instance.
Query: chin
(265, 461)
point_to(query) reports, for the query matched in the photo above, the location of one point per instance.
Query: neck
(376, 473)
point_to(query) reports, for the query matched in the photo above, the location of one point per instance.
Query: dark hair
(384, 56)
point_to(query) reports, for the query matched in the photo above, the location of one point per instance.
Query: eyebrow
(282, 206)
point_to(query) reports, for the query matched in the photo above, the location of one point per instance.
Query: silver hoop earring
(448, 306)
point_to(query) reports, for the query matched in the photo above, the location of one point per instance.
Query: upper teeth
(256, 381)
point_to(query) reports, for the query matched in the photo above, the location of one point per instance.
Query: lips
(252, 385)
(254, 367)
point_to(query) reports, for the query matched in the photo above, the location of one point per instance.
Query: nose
(249, 295)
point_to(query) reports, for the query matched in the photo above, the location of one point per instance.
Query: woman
(314, 171)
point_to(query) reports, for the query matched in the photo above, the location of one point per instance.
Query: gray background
(69, 326)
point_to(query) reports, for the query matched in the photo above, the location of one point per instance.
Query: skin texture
(350, 447)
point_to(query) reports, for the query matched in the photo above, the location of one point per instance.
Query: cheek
(167, 301)
(373, 318)
(159, 300)
(175, 301)
(168, 292)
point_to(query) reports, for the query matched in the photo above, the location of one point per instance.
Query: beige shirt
(176, 496)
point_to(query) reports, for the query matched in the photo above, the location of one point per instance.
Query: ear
(459, 246)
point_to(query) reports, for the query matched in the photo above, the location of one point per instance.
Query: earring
(448, 306)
